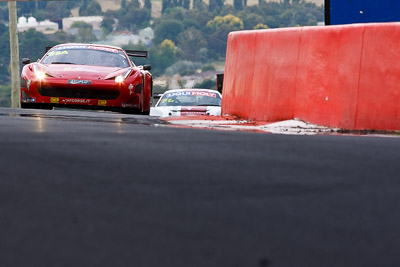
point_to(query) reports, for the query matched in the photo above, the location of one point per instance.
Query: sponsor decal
(112, 50)
(194, 93)
(102, 103)
(76, 101)
(57, 53)
(71, 47)
(54, 100)
(85, 82)
(204, 94)
(178, 94)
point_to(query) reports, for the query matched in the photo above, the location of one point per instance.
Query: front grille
(78, 92)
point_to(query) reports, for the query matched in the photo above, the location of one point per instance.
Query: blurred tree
(85, 32)
(56, 10)
(190, 42)
(231, 21)
(107, 24)
(250, 20)
(147, 4)
(162, 56)
(133, 17)
(238, 4)
(215, 6)
(4, 53)
(199, 5)
(186, 4)
(260, 26)
(167, 29)
(3, 11)
(33, 44)
(90, 8)
(166, 4)
(219, 28)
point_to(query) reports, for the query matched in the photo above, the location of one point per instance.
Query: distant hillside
(156, 4)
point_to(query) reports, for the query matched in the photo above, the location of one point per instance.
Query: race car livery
(87, 75)
(188, 102)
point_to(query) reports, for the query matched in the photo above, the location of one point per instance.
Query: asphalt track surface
(106, 189)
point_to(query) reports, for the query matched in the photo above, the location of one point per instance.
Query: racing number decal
(167, 100)
(54, 100)
(102, 103)
(57, 53)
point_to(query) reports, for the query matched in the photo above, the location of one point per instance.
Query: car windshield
(86, 55)
(190, 98)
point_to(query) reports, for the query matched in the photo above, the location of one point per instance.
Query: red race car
(87, 75)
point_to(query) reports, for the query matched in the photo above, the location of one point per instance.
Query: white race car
(188, 102)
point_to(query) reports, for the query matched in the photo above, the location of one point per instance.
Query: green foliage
(147, 5)
(133, 17)
(250, 20)
(199, 5)
(207, 67)
(183, 67)
(168, 29)
(4, 53)
(53, 10)
(190, 42)
(33, 44)
(3, 11)
(162, 56)
(215, 6)
(219, 28)
(230, 21)
(107, 24)
(207, 84)
(90, 8)
(170, 4)
(158, 89)
(238, 4)
(44, 9)
(5, 95)
(260, 26)
(85, 32)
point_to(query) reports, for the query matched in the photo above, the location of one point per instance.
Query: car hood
(81, 72)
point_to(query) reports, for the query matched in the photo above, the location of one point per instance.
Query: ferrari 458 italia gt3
(87, 75)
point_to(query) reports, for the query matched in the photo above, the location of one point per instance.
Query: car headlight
(119, 79)
(123, 76)
(40, 75)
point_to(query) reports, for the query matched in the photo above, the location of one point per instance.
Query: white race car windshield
(190, 98)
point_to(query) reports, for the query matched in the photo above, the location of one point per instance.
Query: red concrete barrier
(327, 75)
(339, 76)
(379, 94)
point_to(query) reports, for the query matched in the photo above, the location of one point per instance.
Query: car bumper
(106, 94)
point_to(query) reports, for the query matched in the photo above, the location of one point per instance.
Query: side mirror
(146, 67)
(26, 61)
